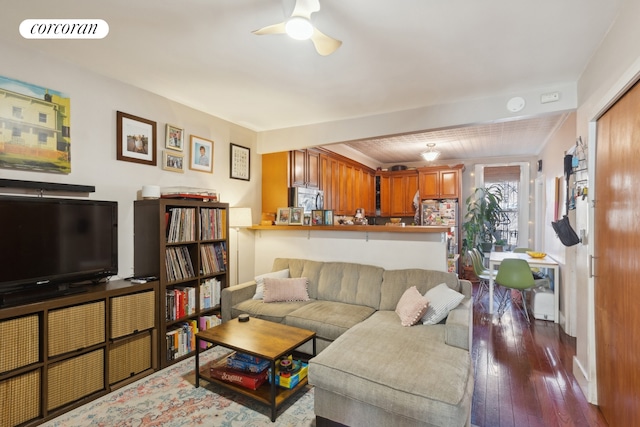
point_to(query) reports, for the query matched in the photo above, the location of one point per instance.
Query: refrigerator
(444, 213)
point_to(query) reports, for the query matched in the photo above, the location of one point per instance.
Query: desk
(495, 258)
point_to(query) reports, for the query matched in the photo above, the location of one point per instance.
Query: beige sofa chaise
(371, 370)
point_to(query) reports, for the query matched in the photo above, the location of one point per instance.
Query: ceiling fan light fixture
(299, 28)
(430, 155)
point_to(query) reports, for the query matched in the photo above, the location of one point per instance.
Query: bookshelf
(184, 243)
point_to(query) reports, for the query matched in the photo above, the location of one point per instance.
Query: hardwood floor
(523, 374)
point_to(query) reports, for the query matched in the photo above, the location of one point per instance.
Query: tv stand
(63, 352)
(27, 296)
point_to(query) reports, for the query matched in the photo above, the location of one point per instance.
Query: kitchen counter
(389, 247)
(366, 228)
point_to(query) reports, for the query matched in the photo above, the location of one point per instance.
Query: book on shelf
(210, 293)
(206, 322)
(212, 223)
(178, 263)
(181, 339)
(181, 227)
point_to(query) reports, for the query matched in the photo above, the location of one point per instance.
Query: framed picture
(283, 216)
(297, 216)
(240, 166)
(201, 154)
(317, 217)
(35, 127)
(328, 217)
(307, 219)
(174, 138)
(136, 139)
(171, 161)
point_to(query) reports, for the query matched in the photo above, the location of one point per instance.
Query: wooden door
(397, 195)
(617, 238)
(326, 180)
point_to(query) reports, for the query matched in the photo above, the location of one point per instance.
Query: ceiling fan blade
(324, 44)
(305, 8)
(271, 29)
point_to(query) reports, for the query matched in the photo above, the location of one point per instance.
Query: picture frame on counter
(328, 217)
(317, 217)
(296, 217)
(307, 219)
(283, 215)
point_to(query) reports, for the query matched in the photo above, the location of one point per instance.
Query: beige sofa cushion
(275, 312)
(329, 319)
(350, 283)
(427, 379)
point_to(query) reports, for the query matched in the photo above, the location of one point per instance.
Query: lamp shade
(240, 217)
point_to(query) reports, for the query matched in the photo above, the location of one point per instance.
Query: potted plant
(482, 218)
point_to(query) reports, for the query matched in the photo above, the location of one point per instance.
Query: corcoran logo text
(64, 29)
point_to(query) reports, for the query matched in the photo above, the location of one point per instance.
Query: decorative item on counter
(359, 218)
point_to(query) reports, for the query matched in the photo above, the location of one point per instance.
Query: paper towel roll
(150, 192)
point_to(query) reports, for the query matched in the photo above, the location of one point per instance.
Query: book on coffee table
(250, 380)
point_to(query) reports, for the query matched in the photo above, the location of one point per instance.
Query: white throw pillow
(442, 299)
(281, 274)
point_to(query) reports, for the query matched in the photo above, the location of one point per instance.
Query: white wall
(553, 167)
(614, 68)
(94, 102)
(383, 249)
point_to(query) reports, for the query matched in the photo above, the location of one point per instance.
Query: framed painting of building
(35, 127)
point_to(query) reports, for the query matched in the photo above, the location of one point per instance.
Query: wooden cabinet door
(312, 173)
(336, 178)
(398, 196)
(326, 180)
(449, 184)
(429, 185)
(298, 168)
(410, 188)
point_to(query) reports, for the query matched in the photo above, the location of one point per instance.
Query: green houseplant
(482, 218)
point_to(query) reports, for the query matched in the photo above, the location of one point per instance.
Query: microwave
(308, 198)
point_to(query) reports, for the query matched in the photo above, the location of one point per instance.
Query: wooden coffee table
(268, 340)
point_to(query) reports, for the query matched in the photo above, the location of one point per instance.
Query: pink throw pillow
(291, 289)
(411, 307)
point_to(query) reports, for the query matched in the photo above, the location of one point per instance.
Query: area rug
(168, 398)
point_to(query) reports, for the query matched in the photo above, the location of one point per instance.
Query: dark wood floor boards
(523, 374)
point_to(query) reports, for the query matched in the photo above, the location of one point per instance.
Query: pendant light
(431, 154)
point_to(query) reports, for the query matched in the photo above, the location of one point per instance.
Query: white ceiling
(395, 56)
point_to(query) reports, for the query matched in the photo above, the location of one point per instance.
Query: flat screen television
(49, 244)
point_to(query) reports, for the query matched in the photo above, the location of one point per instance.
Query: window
(507, 179)
(42, 117)
(513, 180)
(17, 112)
(42, 137)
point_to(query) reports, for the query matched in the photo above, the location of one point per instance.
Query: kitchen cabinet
(439, 182)
(346, 184)
(305, 168)
(403, 188)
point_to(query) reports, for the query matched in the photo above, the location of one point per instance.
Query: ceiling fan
(299, 27)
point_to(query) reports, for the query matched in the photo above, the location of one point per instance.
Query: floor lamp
(239, 218)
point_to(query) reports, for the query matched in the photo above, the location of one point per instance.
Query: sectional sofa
(370, 368)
